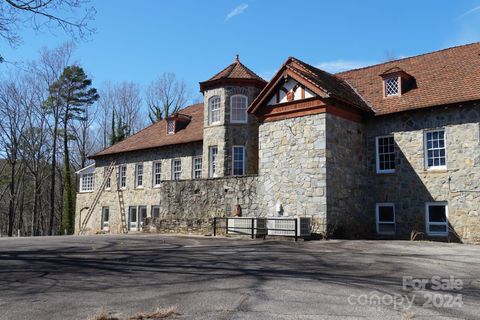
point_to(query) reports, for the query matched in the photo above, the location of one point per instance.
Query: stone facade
(346, 185)
(292, 168)
(226, 134)
(411, 186)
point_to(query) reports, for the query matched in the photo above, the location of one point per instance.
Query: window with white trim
(139, 175)
(435, 152)
(385, 147)
(107, 184)
(122, 181)
(86, 182)
(212, 159)
(238, 109)
(437, 218)
(385, 217)
(214, 110)
(155, 212)
(238, 155)
(197, 167)
(105, 217)
(392, 87)
(157, 173)
(176, 169)
(170, 126)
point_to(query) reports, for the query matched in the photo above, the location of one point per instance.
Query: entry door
(132, 223)
(142, 215)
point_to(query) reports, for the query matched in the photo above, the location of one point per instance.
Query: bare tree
(128, 106)
(106, 105)
(12, 126)
(165, 96)
(45, 14)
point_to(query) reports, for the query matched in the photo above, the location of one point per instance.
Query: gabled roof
(155, 135)
(324, 84)
(443, 77)
(236, 72)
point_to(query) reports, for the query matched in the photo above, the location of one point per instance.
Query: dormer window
(392, 86)
(396, 82)
(171, 126)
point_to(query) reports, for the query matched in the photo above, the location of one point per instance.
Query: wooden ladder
(121, 202)
(97, 197)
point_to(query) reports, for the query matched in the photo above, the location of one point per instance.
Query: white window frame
(151, 211)
(232, 120)
(427, 219)
(170, 126)
(139, 175)
(174, 171)
(132, 225)
(156, 174)
(87, 182)
(211, 111)
(122, 178)
(377, 154)
(425, 149)
(105, 223)
(212, 164)
(196, 170)
(140, 219)
(233, 160)
(386, 84)
(108, 184)
(377, 217)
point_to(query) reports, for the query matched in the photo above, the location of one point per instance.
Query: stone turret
(230, 135)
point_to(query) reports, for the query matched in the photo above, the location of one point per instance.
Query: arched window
(214, 110)
(238, 109)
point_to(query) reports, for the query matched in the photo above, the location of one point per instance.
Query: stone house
(384, 151)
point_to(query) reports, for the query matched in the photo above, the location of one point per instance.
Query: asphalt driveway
(217, 278)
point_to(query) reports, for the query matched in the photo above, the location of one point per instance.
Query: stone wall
(346, 189)
(292, 168)
(411, 186)
(187, 204)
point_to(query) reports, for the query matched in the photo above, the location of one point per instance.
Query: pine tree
(113, 133)
(74, 94)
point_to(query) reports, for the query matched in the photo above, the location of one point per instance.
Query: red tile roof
(155, 135)
(237, 71)
(443, 77)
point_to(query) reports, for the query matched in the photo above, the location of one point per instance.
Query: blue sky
(138, 40)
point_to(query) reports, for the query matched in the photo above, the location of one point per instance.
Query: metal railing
(252, 228)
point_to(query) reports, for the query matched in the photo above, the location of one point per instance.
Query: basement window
(385, 213)
(436, 218)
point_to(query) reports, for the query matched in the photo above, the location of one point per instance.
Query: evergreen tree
(74, 94)
(113, 133)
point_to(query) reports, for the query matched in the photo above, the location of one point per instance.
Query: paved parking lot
(206, 278)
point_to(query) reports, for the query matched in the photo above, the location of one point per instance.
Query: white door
(132, 223)
(142, 216)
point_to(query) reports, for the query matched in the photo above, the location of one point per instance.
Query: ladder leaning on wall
(121, 203)
(100, 190)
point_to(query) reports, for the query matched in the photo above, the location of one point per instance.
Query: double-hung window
(212, 157)
(176, 169)
(214, 110)
(86, 182)
(436, 218)
(139, 175)
(385, 217)
(435, 152)
(197, 167)
(238, 109)
(238, 155)
(122, 181)
(385, 150)
(157, 173)
(107, 183)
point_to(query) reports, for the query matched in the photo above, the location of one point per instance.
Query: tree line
(52, 117)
